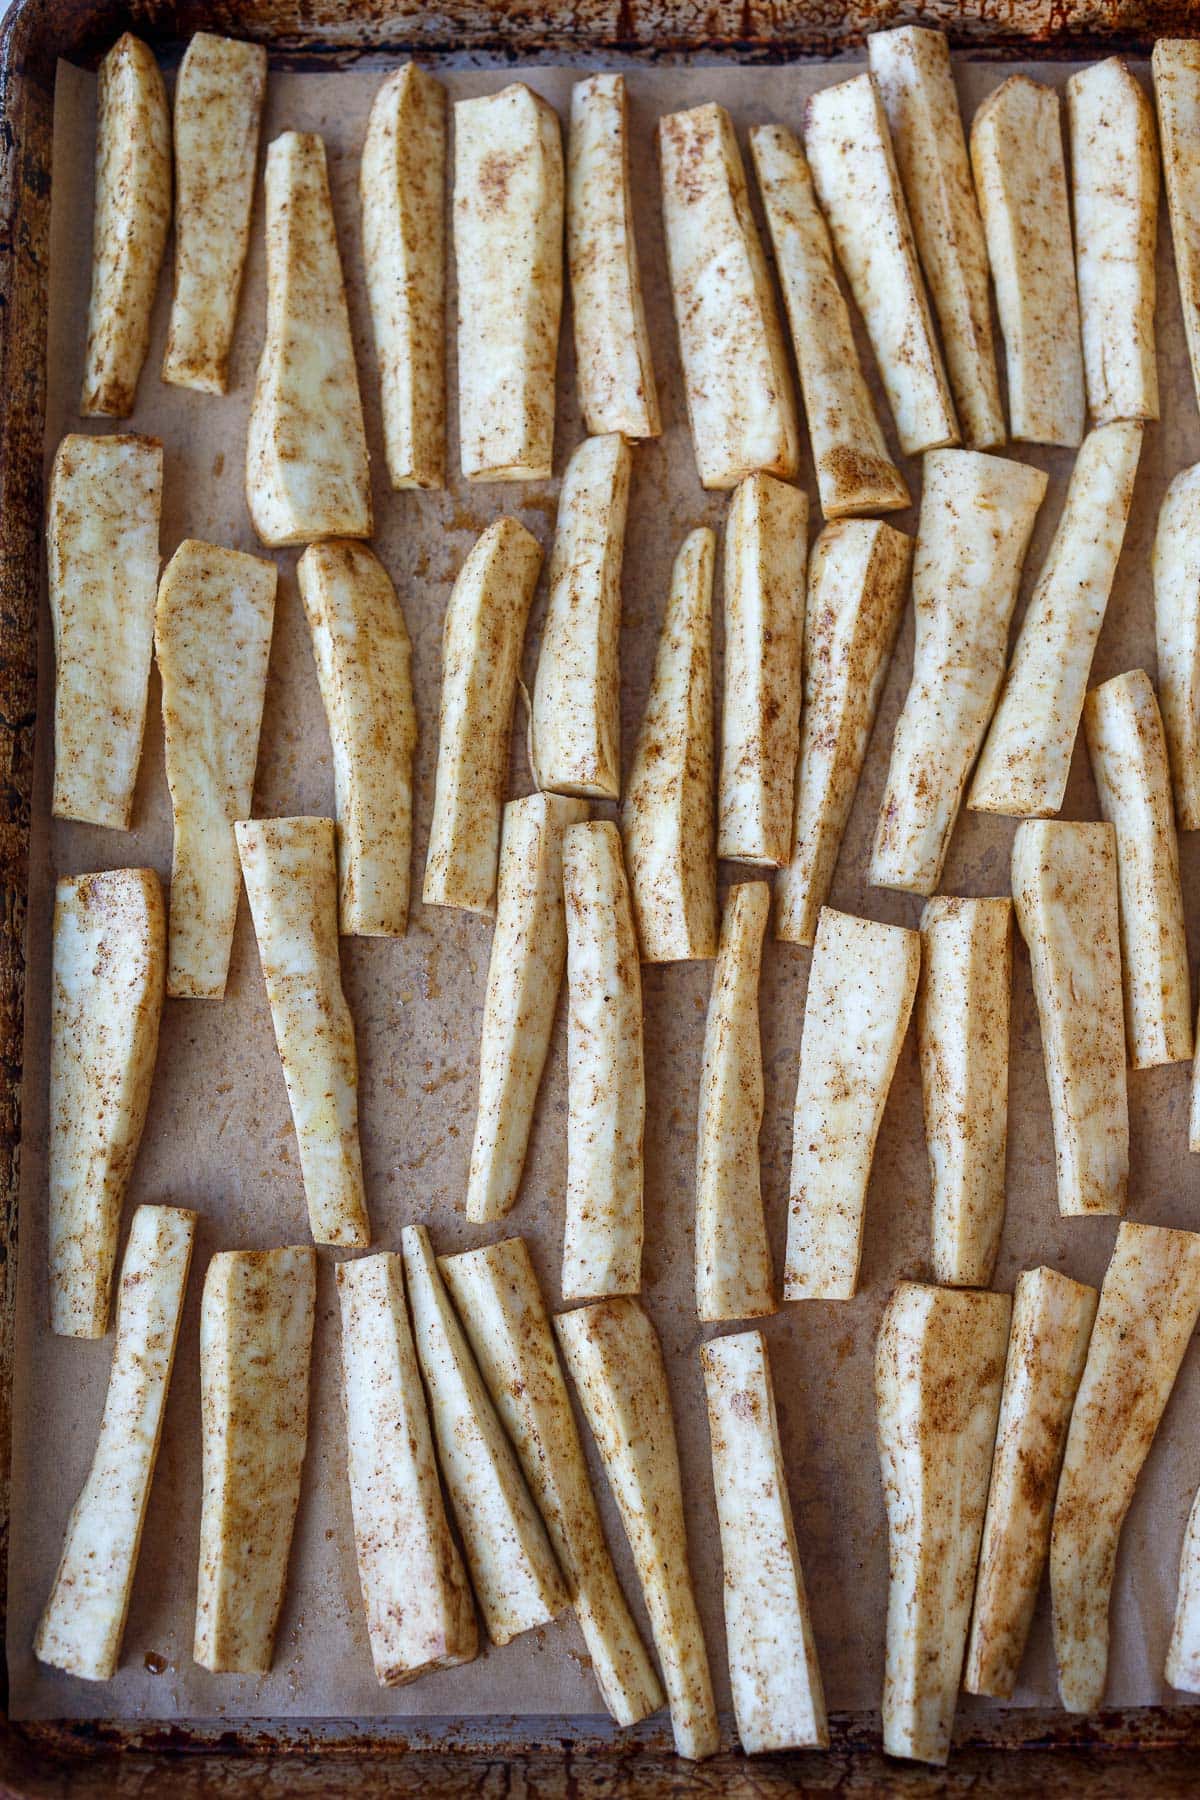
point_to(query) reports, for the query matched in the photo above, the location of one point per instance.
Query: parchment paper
(220, 1138)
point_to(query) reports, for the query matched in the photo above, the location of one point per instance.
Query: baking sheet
(219, 1136)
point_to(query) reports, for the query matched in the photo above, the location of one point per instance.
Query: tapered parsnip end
(1176, 65)
(1177, 632)
(1183, 1653)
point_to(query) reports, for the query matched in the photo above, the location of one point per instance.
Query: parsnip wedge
(291, 884)
(256, 1327)
(306, 449)
(861, 985)
(110, 951)
(1051, 1323)
(420, 1614)
(500, 1304)
(1176, 65)
(1177, 632)
(1149, 1305)
(939, 1362)
(1183, 1652)
(1064, 886)
(513, 1571)
(129, 229)
(735, 375)
(778, 1699)
(977, 515)
(857, 584)
(84, 1621)
(615, 1360)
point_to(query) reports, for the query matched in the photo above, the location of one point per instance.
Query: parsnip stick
(291, 884)
(1176, 65)
(615, 1360)
(857, 583)
(861, 987)
(1183, 1651)
(778, 1699)
(256, 1326)
(500, 1304)
(977, 515)
(1149, 1305)
(84, 1621)
(939, 1361)
(109, 955)
(735, 375)
(1177, 631)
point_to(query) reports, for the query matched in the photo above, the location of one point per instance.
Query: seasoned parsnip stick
(1176, 64)
(481, 656)
(1149, 1305)
(765, 550)
(110, 951)
(500, 1304)
(778, 1699)
(977, 516)
(857, 582)
(256, 1326)
(575, 725)
(1051, 1323)
(1026, 759)
(667, 819)
(306, 450)
(291, 884)
(420, 1614)
(854, 171)
(615, 1360)
(1177, 632)
(861, 987)
(613, 367)
(529, 951)
(84, 1621)
(513, 1571)
(102, 548)
(735, 375)
(508, 248)
(1183, 1651)
(939, 1360)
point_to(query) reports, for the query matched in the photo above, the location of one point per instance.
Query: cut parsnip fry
(861, 985)
(765, 551)
(508, 247)
(575, 724)
(735, 375)
(1177, 631)
(1025, 762)
(778, 1699)
(1149, 1305)
(1133, 783)
(364, 665)
(110, 951)
(857, 583)
(481, 656)
(855, 473)
(513, 1571)
(291, 884)
(613, 366)
(400, 182)
(857, 182)
(939, 1362)
(1064, 886)
(256, 1327)
(529, 951)
(306, 449)
(1051, 1323)
(734, 1279)
(102, 549)
(500, 1304)
(668, 817)
(218, 111)
(977, 515)
(911, 67)
(1176, 64)
(129, 231)
(1183, 1652)
(962, 1038)
(1114, 192)
(615, 1360)
(420, 1614)
(212, 641)
(84, 1621)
